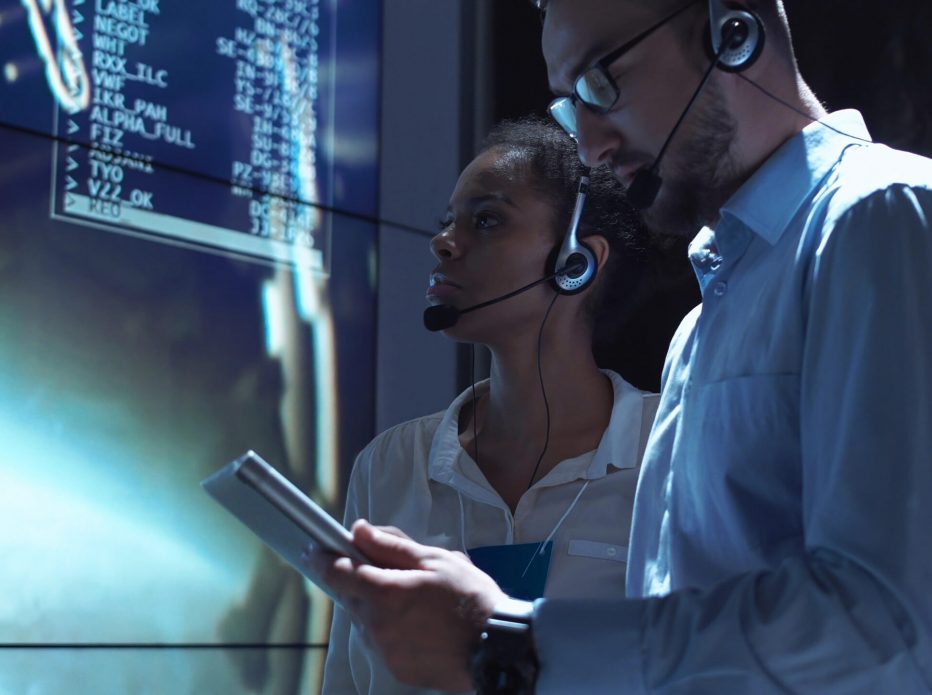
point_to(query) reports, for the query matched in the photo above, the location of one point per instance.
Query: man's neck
(773, 110)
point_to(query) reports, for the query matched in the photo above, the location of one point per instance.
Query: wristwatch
(505, 662)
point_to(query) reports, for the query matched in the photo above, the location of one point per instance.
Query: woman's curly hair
(548, 159)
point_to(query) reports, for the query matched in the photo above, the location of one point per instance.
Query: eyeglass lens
(563, 111)
(595, 89)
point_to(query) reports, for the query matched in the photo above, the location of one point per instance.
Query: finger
(341, 573)
(462, 556)
(362, 589)
(387, 549)
(314, 559)
(353, 592)
(345, 585)
(395, 531)
(365, 582)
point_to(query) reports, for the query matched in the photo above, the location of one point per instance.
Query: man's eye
(485, 220)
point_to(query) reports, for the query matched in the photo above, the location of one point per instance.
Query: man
(779, 541)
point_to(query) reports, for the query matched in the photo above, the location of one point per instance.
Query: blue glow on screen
(186, 272)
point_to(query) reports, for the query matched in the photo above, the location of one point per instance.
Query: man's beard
(701, 177)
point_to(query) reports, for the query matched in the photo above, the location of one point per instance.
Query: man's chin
(669, 217)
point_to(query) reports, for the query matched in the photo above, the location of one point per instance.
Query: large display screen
(187, 270)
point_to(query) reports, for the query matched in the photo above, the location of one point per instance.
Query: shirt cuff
(589, 646)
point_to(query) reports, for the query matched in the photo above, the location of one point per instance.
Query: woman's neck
(511, 420)
(577, 392)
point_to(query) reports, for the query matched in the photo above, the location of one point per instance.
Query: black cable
(726, 41)
(530, 285)
(475, 409)
(88, 646)
(211, 178)
(543, 391)
(802, 113)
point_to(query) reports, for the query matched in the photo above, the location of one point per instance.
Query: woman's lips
(441, 288)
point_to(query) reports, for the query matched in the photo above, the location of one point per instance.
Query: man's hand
(422, 608)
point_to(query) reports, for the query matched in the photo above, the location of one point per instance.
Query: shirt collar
(619, 444)
(618, 447)
(447, 460)
(769, 200)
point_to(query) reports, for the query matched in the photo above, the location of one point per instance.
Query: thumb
(386, 549)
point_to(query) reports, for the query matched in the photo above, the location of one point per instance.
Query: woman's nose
(443, 245)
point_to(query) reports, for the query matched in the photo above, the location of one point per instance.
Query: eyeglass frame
(602, 66)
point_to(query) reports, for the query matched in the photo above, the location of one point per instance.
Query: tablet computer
(278, 512)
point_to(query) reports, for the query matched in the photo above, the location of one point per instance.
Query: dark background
(872, 56)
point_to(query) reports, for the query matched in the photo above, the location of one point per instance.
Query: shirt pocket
(741, 488)
(598, 551)
(747, 428)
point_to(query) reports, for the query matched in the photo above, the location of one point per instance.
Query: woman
(531, 472)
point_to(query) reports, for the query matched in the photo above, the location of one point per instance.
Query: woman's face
(496, 237)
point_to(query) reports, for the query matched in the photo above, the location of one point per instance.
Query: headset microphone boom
(574, 269)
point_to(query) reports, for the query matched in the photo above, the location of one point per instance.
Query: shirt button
(719, 288)
(612, 552)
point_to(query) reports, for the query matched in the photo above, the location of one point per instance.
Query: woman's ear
(600, 248)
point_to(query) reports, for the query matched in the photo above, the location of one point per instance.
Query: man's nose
(595, 137)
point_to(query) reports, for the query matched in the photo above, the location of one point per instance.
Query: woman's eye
(444, 222)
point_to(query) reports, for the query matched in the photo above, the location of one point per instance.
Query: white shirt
(417, 477)
(781, 536)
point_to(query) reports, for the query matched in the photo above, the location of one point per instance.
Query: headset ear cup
(575, 282)
(550, 267)
(745, 54)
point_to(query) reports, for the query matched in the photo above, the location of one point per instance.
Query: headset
(570, 268)
(746, 40)
(572, 265)
(735, 41)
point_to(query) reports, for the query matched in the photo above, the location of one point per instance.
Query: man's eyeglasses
(595, 87)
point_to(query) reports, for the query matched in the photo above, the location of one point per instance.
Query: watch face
(505, 661)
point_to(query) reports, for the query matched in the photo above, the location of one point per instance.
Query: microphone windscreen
(644, 189)
(440, 317)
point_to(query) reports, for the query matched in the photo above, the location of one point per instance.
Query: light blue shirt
(782, 534)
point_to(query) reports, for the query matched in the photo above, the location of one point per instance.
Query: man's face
(655, 81)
